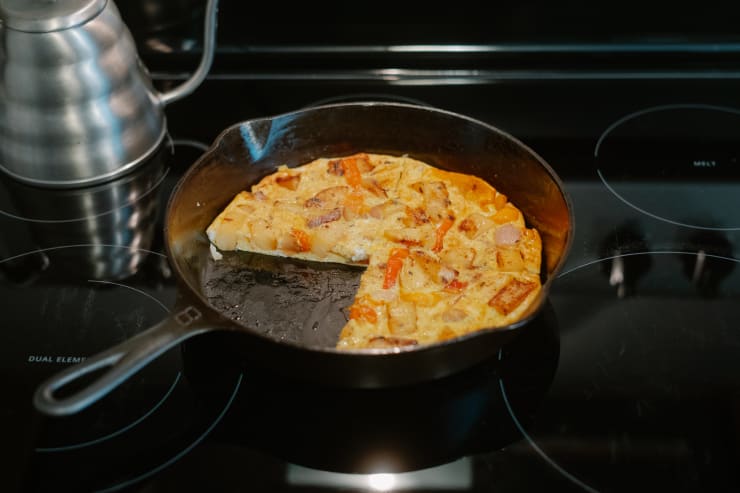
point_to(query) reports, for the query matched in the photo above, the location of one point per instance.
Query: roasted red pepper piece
(455, 286)
(442, 230)
(364, 312)
(393, 266)
(352, 172)
(304, 241)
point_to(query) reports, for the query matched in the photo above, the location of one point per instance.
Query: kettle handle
(209, 43)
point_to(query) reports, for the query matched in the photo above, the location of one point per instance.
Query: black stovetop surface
(628, 381)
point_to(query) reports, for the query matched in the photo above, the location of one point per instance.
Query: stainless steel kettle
(77, 106)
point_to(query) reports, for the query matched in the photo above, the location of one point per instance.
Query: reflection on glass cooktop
(629, 380)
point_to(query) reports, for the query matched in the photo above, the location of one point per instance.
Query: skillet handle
(121, 361)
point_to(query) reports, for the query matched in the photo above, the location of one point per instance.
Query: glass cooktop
(629, 380)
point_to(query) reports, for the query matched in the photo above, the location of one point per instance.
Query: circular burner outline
(138, 420)
(74, 446)
(201, 146)
(646, 111)
(80, 245)
(173, 143)
(534, 445)
(95, 441)
(180, 454)
(550, 461)
(369, 96)
(111, 283)
(573, 479)
(154, 186)
(184, 451)
(653, 252)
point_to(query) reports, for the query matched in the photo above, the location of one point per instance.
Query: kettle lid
(47, 15)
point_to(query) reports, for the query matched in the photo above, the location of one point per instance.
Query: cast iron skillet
(285, 314)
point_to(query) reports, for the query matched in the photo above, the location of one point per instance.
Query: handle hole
(80, 383)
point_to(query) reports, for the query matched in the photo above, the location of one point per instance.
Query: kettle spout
(209, 44)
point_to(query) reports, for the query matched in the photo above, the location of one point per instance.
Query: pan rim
(372, 352)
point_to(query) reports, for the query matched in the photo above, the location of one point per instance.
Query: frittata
(446, 253)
